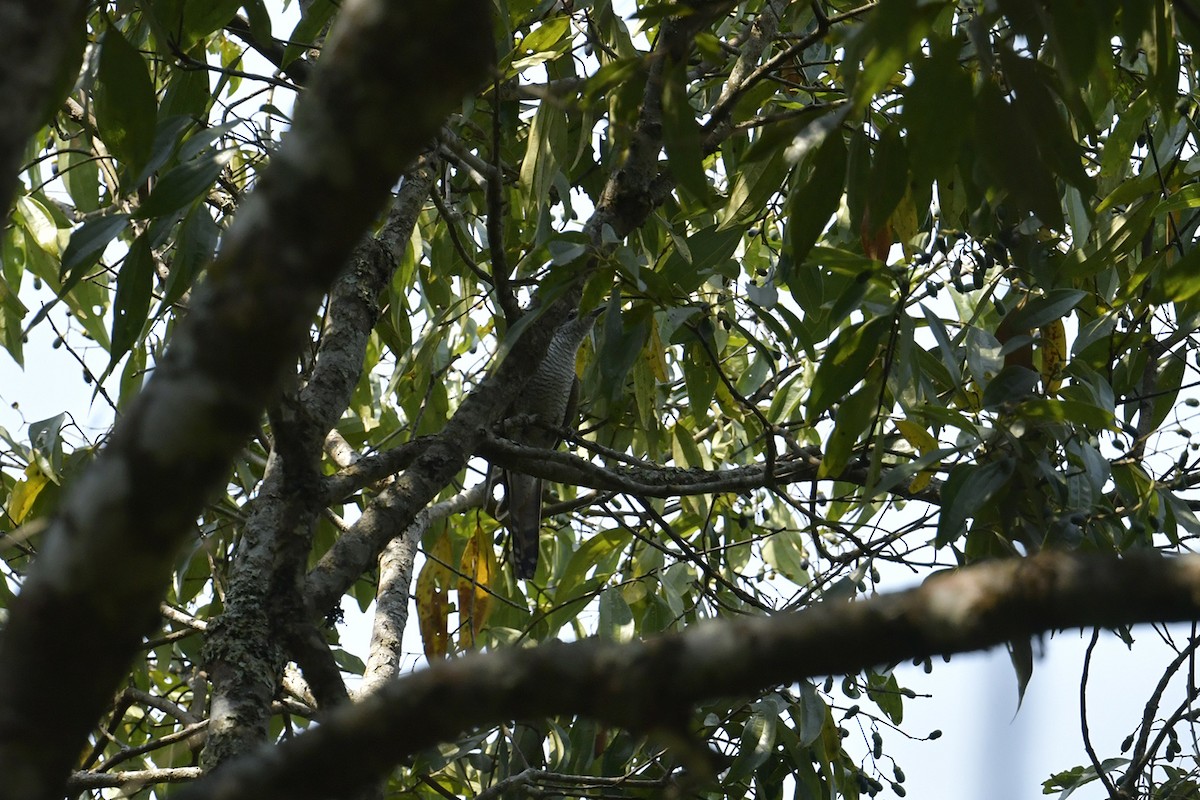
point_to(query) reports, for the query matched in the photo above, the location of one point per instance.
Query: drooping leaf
(1039, 311)
(24, 493)
(939, 82)
(316, 17)
(968, 488)
(476, 574)
(1010, 385)
(681, 134)
(431, 596)
(854, 416)
(184, 184)
(126, 111)
(616, 618)
(87, 244)
(845, 363)
(815, 197)
(888, 180)
(131, 303)
(1053, 351)
(1010, 151)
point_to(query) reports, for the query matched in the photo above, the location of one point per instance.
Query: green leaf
(681, 134)
(126, 111)
(813, 714)
(131, 304)
(845, 363)
(758, 741)
(754, 185)
(168, 136)
(1039, 311)
(815, 197)
(1114, 158)
(186, 22)
(891, 35)
(348, 662)
(46, 438)
(889, 177)
(259, 19)
(854, 416)
(1166, 388)
(1009, 150)
(968, 488)
(1020, 654)
(583, 560)
(187, 93)
(616, 619)
(939, 82)
(1035, 103)
(88, 242)
(547, 36)
(1181, 279)
(308, 29)
(184, 184)
(1011, 384)
(82, 178)
(614, 73)
(699, 374)
(1075, 412)
(195, 244)
(544, 155)
(711, 250)
(885, 692)
(784, 552)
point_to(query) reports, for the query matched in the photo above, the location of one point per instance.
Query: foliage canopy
(889, 287)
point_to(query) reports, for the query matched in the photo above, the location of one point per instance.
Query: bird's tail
(524, 496)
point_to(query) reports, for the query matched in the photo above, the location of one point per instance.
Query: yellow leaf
(476, 573)
(433, 608)
(656, 354)
(905, 224)
(916, 435)
(923, 441)
(23, 495)
(920, 481)
(1053, 347)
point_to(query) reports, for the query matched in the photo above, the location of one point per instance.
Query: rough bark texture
(395, 582)
(653, 685)
(265, 618)
(109, 552)
(41, 48)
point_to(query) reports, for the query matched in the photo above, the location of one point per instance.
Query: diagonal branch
(109, 552)
(263, 606)
(655, 684)
(41, 48)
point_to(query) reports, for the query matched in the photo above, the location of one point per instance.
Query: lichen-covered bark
(109, 552)
(265, 620)
(653, 685)
(41, 48)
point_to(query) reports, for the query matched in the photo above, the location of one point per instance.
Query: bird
(545, 405)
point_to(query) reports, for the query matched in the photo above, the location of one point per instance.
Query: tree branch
(653, 685)
(264, 617)
(651, 480)
(132, 780)
(41, 47)
(624, 204)
(109, 552)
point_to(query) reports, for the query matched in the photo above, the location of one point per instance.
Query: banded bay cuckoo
(545, 405)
